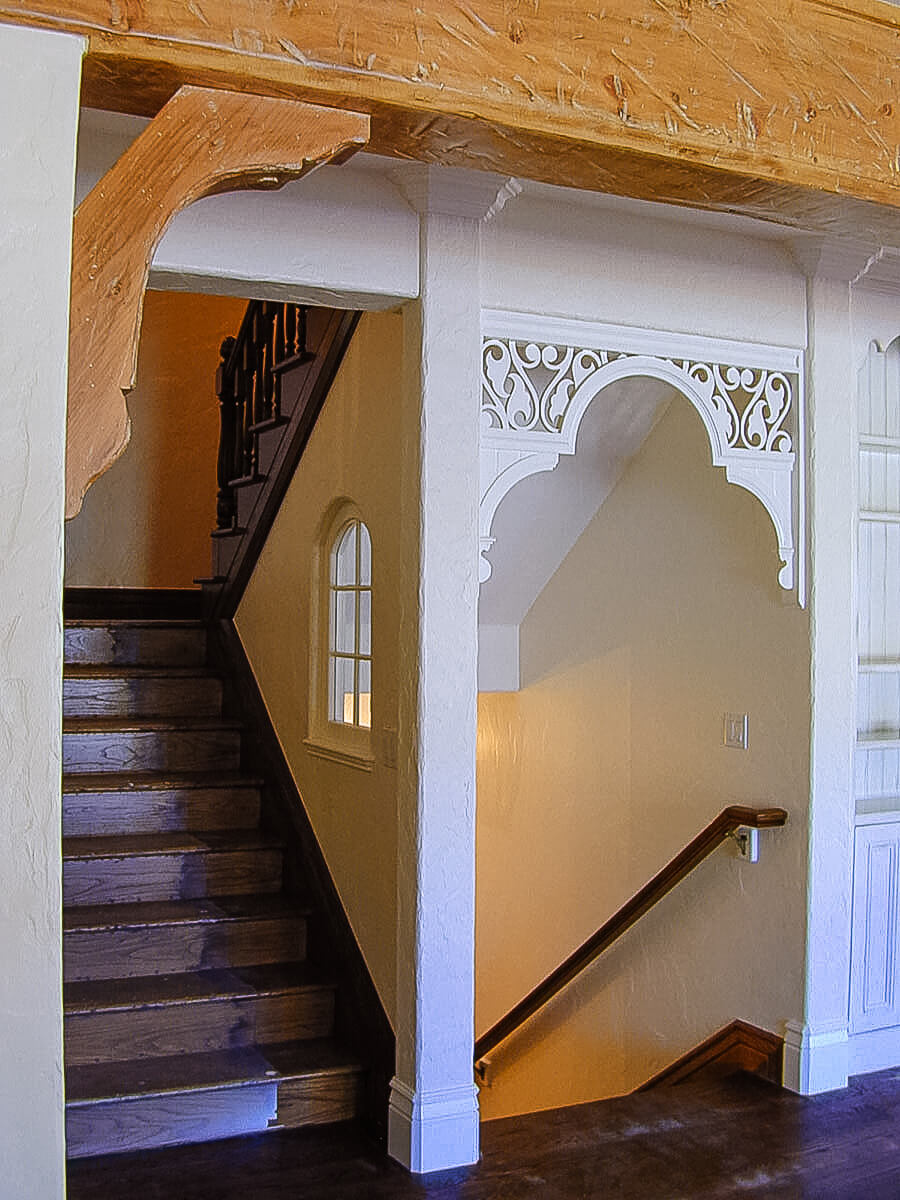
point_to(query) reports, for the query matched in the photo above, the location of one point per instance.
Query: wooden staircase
(191, 1010)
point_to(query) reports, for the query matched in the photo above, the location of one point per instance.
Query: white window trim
(350, 745)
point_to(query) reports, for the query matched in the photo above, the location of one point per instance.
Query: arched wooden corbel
(202, 142)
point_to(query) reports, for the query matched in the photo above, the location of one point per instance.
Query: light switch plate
(735, 734)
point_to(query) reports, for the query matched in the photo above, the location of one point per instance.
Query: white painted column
(39, 87)
(816, 1046)
(433, 1120)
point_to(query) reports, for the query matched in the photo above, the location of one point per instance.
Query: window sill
(320, 748)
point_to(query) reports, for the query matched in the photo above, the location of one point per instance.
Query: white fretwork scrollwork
(537, 384)
(747, 404)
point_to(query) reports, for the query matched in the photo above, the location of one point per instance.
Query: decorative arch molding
(202, 142)
(540, 374)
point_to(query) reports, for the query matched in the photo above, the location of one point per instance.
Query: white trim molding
(874, 1050)
(432, 1131)
(540, 374)
(816, 1059)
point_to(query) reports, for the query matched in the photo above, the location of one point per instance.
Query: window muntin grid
(350, 628)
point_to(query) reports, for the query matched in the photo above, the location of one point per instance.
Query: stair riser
(171, 876)
(135, 646)
(100, 814)
(246, 500)
(179, 1118)
(152, 750)
(192, 1028)
(223, 551)
(318, 1100)
(161, 950)
(141, 697)
(174, 1119)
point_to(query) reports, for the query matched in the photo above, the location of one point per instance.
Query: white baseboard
(815, 1059)
(876, 1050)
(433, 1131)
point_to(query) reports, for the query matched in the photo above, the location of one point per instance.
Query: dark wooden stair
(191, 1011)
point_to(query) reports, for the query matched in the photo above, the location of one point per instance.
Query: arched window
(350, 627)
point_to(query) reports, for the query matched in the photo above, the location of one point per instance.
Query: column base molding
(433, 1131)
(816, 1059)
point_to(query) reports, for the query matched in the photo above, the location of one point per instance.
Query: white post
(39, 88)
(433, 1120)
(816, 1047)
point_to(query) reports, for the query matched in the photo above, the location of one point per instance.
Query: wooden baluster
(281, 351)
(257, 350)
(268, 379)
(247, 405)
(249, 446)
(290, 330)
(278, 356)
(301, 330)
(225, 378)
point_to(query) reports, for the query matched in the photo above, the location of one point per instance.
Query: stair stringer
(360, 1019)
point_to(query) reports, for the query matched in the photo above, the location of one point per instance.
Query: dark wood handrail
(716, 832)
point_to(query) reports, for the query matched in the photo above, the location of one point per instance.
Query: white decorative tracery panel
(540, 374)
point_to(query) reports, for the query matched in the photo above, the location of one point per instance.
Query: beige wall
(665, 615)
(146, 522)
(354, 453)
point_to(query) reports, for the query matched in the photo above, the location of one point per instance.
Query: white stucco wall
(641, 265)
(39, 81)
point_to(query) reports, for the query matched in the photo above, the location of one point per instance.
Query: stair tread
(178, 842)
(161, 724)
(150, 781)
(129, 671)
(204, 911)
(134, 623)
(185, 987)
(237, 1067)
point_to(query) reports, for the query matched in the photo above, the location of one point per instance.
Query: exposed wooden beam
(719, 103)
(201, 142)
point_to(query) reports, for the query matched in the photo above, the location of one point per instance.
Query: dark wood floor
(740, 1137)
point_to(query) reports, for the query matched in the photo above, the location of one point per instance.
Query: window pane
(365, 622)
(345, 557)
(365, 557)
(342, 690)
(344, 622)
(365, 693)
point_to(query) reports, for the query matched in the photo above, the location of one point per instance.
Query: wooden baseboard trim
(739, 1046)
(130, 603)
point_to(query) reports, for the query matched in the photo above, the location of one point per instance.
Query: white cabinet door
(874, 990)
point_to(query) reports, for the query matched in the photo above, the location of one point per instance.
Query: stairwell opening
(605, 755)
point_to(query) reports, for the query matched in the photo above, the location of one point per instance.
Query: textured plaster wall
(665, 615)
(354, 453)
(39, 82)
(146, 522)
(641, 265)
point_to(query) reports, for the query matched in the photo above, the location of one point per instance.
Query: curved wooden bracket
(202, 142)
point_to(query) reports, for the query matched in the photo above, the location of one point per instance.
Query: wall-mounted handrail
(716, 832)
